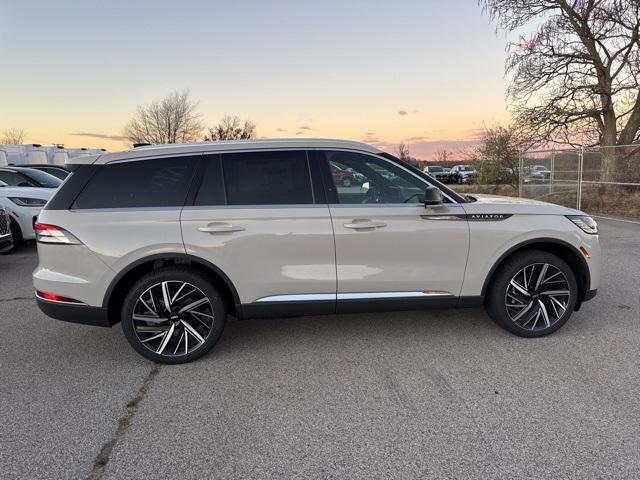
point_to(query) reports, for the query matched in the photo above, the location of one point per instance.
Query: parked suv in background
(170, 239)
(462, 174)
(437, 172)
(57, 171)
(23, 205)
(28, 177)
(6, 242)
(537, 174)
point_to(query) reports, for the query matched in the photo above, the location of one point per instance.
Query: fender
(533, 241)
(170, 256)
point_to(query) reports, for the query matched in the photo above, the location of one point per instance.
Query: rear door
(258, 219)
(389, 247)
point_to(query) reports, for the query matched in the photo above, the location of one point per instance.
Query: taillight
(54, 297)
(52, 234)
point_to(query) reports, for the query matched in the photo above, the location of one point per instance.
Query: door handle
(220, 228)
(363, 223)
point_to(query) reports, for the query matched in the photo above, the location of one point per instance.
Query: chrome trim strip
(126, 209)
(382, 295)
(442, 217)
(254, 207)
(311, 297)
(305, 297)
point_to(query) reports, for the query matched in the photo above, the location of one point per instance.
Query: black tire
(16, 233)
(459, 180)
(496, 299)
(175, 275)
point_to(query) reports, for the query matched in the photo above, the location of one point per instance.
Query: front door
(389, 247)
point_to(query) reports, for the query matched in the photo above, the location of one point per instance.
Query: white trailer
(36, 154)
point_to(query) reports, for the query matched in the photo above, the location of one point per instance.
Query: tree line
(174, 119)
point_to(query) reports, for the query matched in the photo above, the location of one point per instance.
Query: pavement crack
(15, 299)
(124, 423)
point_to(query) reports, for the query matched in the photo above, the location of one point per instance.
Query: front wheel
(532, 294)
(16, 234)
(173, 315)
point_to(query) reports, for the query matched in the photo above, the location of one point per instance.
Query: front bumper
(6, 243)
(85, 314)
(26, 217)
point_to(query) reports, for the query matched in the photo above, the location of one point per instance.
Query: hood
(514, 205)
(28, 192)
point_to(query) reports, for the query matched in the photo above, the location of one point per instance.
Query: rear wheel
(532, 294)
(173, 315)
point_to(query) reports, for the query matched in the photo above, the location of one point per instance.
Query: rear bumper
(85, 314)
(589, 295)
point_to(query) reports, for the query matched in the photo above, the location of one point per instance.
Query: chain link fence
(604, 180)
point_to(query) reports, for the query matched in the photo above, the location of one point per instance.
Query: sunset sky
(427, 72)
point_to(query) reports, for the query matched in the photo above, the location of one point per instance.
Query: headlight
(585, 223)
(28, 202)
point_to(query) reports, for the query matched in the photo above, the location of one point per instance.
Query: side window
(361, 179)
(16, 179)
(211, 191)
(267, 178)
(158, 182)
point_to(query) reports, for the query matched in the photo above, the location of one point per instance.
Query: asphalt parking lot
(406, 395)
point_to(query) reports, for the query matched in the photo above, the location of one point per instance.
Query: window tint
(42, 179)
(360, 178)
(211, 191)
(16, 179)
(159, 182)
(267, 178)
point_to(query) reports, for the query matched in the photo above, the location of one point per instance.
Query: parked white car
(23, 205)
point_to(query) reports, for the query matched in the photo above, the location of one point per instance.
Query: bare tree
(402, 150)
(170, 120)
(13, 136)
(576, 79)
(442, 155)
(231, 128)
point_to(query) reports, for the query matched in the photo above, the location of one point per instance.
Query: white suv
(170, 239)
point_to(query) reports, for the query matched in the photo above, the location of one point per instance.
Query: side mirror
(432, 197)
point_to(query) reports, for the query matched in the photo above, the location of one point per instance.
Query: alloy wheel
(173, 318)
(537, 296)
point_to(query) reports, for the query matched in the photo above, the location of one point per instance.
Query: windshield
(435, 169)
(43, 179)
(464, 168)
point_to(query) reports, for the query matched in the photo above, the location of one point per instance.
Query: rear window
(267, 178)
(158, 182)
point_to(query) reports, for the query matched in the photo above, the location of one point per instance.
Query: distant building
(33, 154)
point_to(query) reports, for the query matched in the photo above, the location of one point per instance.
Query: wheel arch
(121, 284)
(560, 248)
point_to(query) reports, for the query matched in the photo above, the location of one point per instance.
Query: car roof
(224, 146)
